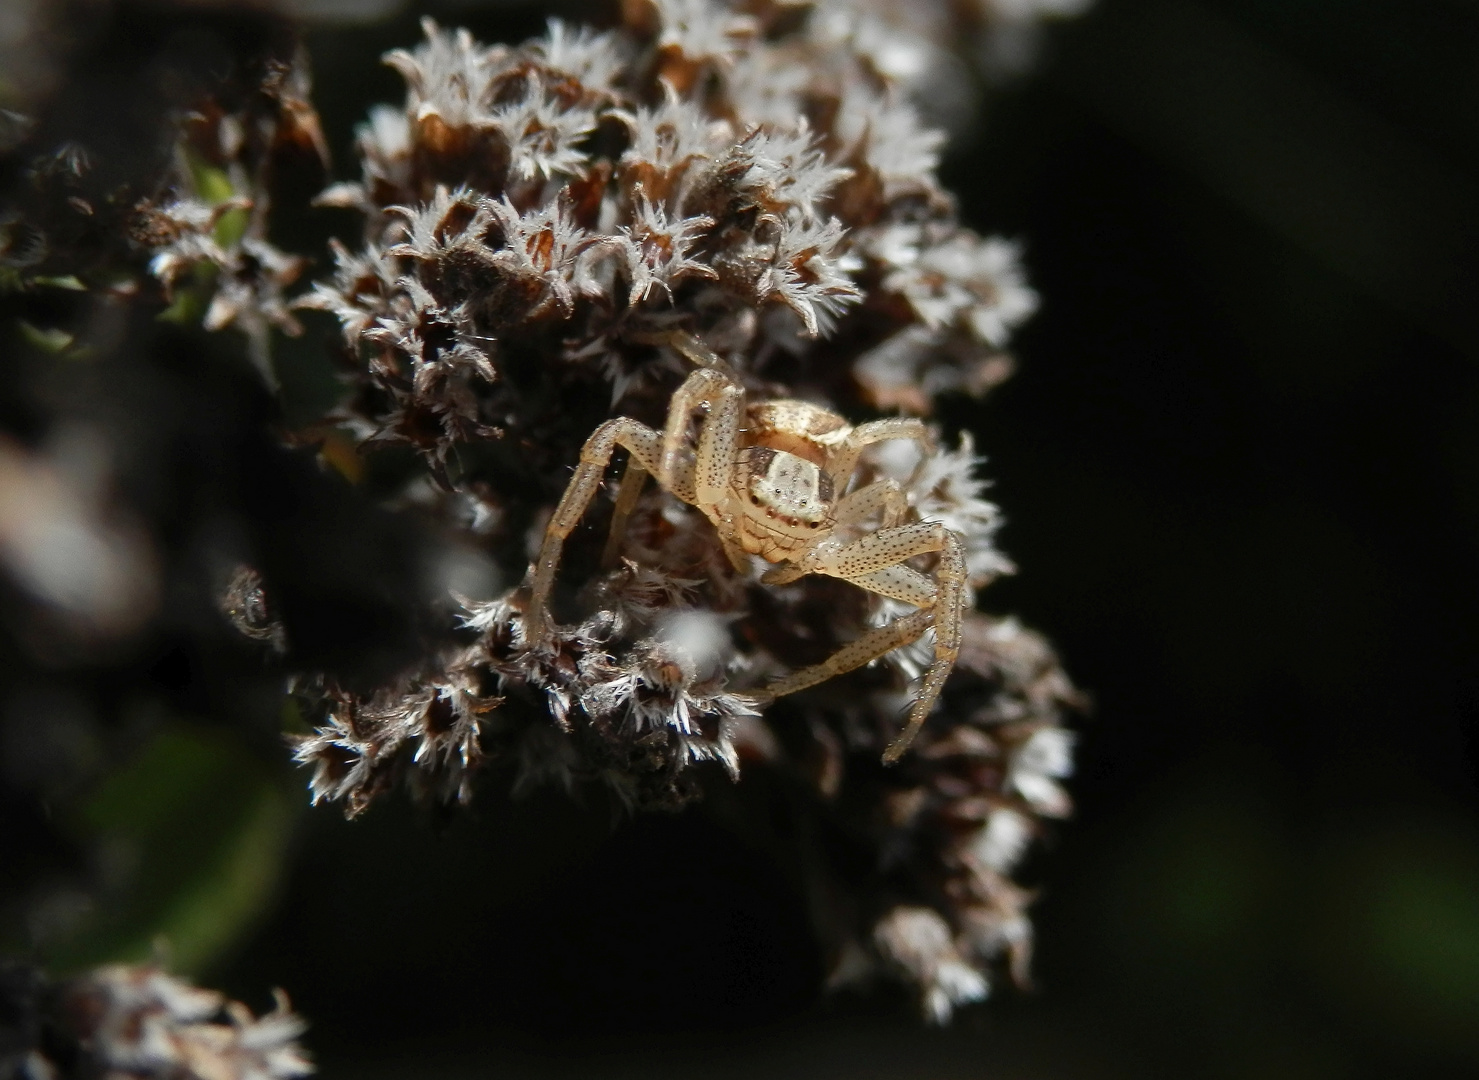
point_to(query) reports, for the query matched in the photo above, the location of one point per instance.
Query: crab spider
(773, 477)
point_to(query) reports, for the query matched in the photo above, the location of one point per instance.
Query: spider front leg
(676, 468)
(844, 459)
(718, 439)
(645, 446)
(885, 495)
(718, 444)
(876, 563)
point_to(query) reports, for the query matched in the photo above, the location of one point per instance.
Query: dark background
(1240, 464)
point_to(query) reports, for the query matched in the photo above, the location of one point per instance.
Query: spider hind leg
(876, 563)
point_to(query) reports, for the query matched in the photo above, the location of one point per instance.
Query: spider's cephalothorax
(773, 477)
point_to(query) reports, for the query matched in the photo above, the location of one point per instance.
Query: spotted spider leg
(645, 447)
(633, 478)
(843, 460)
(699, 354)
(714, 380)
(876, 562)
(884, 495)
(718, 445)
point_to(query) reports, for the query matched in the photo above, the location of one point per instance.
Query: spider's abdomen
(795, 427)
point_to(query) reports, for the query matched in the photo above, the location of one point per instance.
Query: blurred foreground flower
(138, 1023)
(88, 567)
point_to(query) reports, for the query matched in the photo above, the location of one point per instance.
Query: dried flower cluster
(548, 231)
(940, 50)
(546, 214)
(959, 816)
(541, 224)
(139, 1023)
(193, 215)
(208, 230)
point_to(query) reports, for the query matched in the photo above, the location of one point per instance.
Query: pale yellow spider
(772, 476)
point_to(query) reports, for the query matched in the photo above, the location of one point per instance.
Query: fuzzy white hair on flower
(657, 248)
(542, 132)
(544, 244)
(453, 220)
(770, 89)
(919, 941)
(805, 271)
(894, 51)
(970, 279)
(407, 330)
(447, 75)
(359, 295)
(655, 689)
(1003, 840)
(333, 744)
(669, 136)
(141, 1021)
(1036, 767)
(450, 743)
(789, 167)
(896, 371)
(703, 30)
(638, 593)
(193, 222)
(888, 134)
(590, 57)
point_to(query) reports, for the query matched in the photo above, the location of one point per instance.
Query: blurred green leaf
(1399, 937)
(1197, 884)
(68, 282)
(1425, 923)
(192, 835)
(190, 301)
(231, 227)
(214, 187)
(49, 339)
